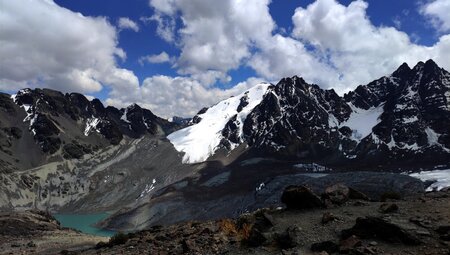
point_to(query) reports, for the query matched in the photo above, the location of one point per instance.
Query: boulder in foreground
(300, 197)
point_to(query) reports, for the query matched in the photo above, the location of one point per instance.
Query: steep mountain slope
(62, 152)
(397, 121)
(42, 125)
(221, 121)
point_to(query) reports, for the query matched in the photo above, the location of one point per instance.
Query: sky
(176, 56)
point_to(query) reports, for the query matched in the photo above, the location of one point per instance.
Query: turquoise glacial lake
(84, 223)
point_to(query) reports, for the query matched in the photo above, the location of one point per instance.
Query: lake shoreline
(85, 223)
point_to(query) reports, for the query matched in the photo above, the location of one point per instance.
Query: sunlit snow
(362, 121)
(441, 178)
(201, 140)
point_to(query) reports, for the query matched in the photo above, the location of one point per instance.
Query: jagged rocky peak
(139, 121)
(395, 117)
(403, 72)
(53, 124)
(431, 67)
(428, 72)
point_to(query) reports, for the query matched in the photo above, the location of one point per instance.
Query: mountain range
(65, 153)
(400, 120)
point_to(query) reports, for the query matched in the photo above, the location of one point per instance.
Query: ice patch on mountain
(433, 139)
(432, 136)
(124, 116)
(441, 178)
(362, 121)
(201, 140)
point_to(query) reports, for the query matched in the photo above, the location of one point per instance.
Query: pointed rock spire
(402, 72)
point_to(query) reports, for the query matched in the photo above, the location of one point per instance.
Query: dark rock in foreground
(376, 227)
(300, 197)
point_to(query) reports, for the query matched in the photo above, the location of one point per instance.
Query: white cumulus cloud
(127, 23)
(356, 49)
(214, 35)
(45, 45)
(162, 57)
(182, 96)
(438, 11)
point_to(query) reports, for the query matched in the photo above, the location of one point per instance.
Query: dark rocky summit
(409, 111)
(42, 125)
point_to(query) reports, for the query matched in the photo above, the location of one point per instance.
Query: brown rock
(388, 208)
(290, 238)
(328, 217)
(189, 246)
(348, 244)
(337, 194)
(376, 227)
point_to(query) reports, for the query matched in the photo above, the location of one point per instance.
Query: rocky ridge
(42, 125)
(389, 123)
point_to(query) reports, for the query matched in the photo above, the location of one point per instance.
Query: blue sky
(176, 56)
(147, 42)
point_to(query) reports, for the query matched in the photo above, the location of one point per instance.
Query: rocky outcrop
(300, 197)
(377, 227)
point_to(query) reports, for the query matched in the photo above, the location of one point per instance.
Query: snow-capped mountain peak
(201, 140)
(396, 117)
